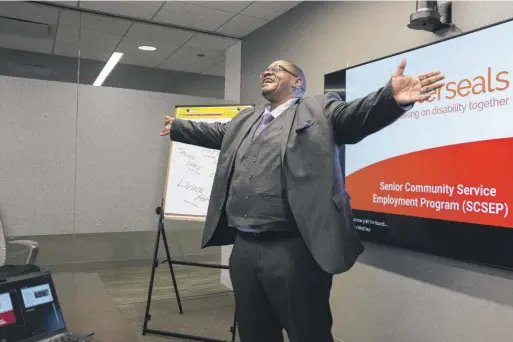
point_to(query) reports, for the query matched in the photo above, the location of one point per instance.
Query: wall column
(231, 92)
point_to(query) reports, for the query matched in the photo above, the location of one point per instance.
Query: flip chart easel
(189, 181)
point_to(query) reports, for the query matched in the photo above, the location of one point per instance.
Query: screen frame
(32, 279)
(336, 82)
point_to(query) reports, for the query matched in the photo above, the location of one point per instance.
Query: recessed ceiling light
(200, 55)
(147, 48)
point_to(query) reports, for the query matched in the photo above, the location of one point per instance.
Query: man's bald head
(282, 80)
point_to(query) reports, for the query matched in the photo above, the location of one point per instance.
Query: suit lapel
(246, 126)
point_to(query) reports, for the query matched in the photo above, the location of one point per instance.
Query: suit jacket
(317, 127)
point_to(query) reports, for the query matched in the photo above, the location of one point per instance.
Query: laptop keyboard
(68, 338)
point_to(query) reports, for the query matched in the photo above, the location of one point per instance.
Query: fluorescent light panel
(111, 63)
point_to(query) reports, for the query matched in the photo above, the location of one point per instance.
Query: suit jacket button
(254, 160)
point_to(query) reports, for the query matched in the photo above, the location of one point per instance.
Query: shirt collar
(281, 108)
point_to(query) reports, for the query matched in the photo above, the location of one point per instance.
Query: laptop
(30, 310)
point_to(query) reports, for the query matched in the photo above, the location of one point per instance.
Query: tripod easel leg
(155, 264)
(168, 255)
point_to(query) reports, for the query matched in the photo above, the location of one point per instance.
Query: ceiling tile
(102, 24)
(211, 42)
(227, 6)
(186, 59)
(97, 40)
(66, 3)
(217, 70)
(69, 25)
(93, 45)
(146, 32)
(26, 44)
(29, 11)
(134, 56)
(136, 9)
(241, 25)
(188, 15)
(269, 9)
(98, 46)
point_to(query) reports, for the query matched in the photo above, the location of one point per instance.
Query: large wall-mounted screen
(440, 179)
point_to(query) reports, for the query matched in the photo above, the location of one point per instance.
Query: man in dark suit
(278, 196)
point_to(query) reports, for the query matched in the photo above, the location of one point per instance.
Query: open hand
(410, 89)
(167, 129)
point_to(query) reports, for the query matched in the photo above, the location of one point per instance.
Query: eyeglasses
(274, 69)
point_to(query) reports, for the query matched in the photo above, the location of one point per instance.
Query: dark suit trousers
(278, 285)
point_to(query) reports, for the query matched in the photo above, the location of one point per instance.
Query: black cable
(457, 28)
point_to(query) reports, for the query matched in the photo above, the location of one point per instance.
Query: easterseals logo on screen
(491, 82)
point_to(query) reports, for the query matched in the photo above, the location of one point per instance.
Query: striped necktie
(266, 119)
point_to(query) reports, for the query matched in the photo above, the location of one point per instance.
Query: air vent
(24, 28)
(29, 71)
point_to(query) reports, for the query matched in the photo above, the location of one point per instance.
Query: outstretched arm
(208, 135)
(352, 121)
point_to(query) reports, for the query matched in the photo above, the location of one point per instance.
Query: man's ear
(298, 83)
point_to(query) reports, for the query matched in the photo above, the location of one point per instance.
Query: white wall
(232, 92)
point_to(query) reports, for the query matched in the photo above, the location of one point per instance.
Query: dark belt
(269, 234)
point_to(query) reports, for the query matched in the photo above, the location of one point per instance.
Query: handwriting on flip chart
(190, 178)
(193, 172)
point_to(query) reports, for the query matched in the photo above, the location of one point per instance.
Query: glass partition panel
(84, 88)
(134, 69)
(38, 118)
